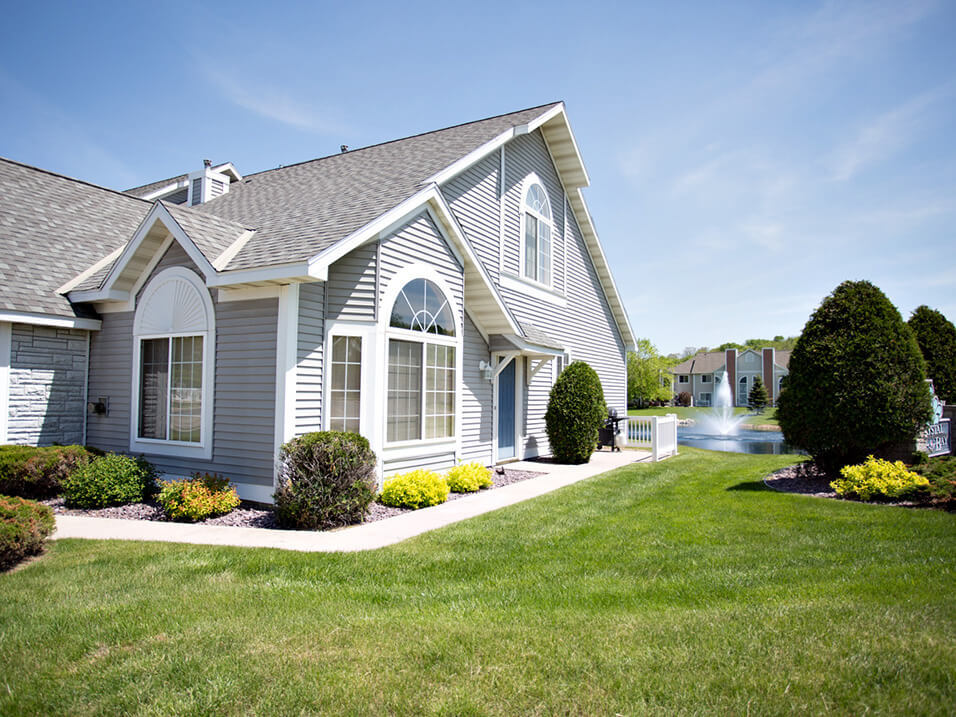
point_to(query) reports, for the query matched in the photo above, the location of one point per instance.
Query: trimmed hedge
(941, 474)
(24, 526)
(415, 489)
(576, 410)
(32, 472)
(203, 496)
(936, 337)
(327, 480)
(857, 380)
(112, 479)
(468, 478)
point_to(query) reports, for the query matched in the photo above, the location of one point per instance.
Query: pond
(744, 441)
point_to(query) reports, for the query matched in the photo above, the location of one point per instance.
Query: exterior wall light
(487, 370)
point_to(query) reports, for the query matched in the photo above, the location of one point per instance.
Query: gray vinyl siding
(476, 399)
(523, 155)
(244, 393)
(311, 345)
(473, 198)
(437, 462)
(47, 385)
(351, 285)
(179, 197)
(420, 241)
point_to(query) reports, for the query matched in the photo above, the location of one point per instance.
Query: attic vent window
(197, 191)
(218, 187)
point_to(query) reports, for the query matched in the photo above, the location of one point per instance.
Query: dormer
(210, 182)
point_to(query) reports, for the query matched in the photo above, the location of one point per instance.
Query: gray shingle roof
(538, 337)
(148, 189)
(301, 209)
(53, 228)
(701, 363)
(211, 234)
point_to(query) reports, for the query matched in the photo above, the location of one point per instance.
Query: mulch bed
(255, 515)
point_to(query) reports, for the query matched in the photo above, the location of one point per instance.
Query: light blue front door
(506, 412)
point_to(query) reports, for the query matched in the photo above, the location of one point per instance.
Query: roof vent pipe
(207, 163)
(344, 148)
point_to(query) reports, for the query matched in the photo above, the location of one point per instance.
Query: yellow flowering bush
(878, 478)
(202, 496)
(468, 478)
(415, 489)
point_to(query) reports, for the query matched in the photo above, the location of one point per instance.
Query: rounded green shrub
(108, 480)
(327, 480)
(203, 496)
(936, 337)
(856, 385)
(24, 525)
(576, 410)
(32, 472)
(878, 478)
(468, 478)
(415, 489)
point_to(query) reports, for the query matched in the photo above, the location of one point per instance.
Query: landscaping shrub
(576, 410)
(468, 478)
(24, 525)
(941, 474)
(416, 489)
(936, 337)
(878, 478)
(31, 472)
(683, 398)
(110, 480)
(856, 383)
(327, 480)
(203, 496)
(758, 398)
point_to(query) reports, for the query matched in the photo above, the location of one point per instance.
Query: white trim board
(6, 344)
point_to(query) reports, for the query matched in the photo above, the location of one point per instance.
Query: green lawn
(675, 588)
(767, 418)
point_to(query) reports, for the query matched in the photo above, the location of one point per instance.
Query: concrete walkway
(366, 536)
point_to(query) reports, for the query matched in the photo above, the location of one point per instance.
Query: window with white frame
(705, 378)
(682, 379)
(536, 233)
(421, 365)
(345, 390)
(173, 330)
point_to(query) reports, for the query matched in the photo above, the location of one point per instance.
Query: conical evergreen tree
(857, 379)
(936, 337)
(758, 398)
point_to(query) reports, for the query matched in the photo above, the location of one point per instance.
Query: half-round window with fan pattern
(421, 306)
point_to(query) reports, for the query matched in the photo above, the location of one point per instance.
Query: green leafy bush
(878, 478)
(468, 478)
(576, 410)
(327, 480)
(31, 472)
(683, 398)
(24, 525)
(110, 480)
(936, 337)
(415, 489)
(856, 385)
(202, 496)
(941, 474)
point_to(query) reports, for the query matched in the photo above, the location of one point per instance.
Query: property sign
(935, 439)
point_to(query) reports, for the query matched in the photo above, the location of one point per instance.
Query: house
(424, 292)
(700, 374)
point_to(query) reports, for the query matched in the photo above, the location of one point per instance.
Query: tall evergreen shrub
(758, 397)
(936, 337)
(857, 379)
(576, 410)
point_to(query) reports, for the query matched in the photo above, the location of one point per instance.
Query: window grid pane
(404, 390)
(185, 401)
(346, 388)
(440, 392)
(154, 388)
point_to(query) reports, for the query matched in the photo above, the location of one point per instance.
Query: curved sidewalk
(366, 536)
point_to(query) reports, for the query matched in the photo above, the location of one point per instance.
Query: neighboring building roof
(712, 361)
(147, 189)
(52, 228)
(301, 209)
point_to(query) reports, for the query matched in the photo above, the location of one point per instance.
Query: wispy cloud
(272, 102)
(887, 134)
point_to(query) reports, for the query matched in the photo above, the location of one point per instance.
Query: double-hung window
(421, 365)
(536, 213)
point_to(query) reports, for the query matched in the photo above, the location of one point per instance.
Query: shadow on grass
(751, 485)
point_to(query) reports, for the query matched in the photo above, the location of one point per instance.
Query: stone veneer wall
(48, 368)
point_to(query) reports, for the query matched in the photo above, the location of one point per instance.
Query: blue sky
(745, 158)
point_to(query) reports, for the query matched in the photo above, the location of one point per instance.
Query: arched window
(742, 397)
(536, 233)
(173, 340)
(421, 364)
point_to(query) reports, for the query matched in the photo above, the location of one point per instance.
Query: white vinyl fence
(659, 433)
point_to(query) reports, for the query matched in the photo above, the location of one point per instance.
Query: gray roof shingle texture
(302, 209)
(148, 189)
(53, 228)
